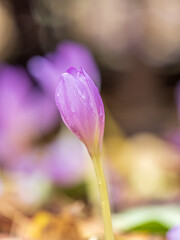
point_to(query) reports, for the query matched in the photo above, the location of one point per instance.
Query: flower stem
(106, 213)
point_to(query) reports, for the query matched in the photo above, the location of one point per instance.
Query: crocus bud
(81, 108)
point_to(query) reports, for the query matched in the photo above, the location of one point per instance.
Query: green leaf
(152, 219)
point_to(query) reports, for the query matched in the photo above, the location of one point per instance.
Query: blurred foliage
(153, 219)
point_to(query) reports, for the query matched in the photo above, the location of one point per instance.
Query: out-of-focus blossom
(25, 112)
(57, 161)
(81, 108)
(65, 161)
(27, 162)
(48, 69)
(174, 233)
(31, 188)
(26, 190)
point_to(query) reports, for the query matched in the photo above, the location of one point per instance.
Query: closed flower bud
(81, 108)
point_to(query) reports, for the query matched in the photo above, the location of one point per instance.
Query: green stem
(103, 198)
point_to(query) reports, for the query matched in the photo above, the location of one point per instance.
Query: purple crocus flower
(25, 113)
(174, 233)
(81, 108)
(48, 69)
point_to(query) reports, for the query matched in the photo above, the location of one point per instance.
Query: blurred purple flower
(65, 161)
(25, 112)
(54, 161)
(26, 163)
(174, 233)
(81, 108)
(48, 69)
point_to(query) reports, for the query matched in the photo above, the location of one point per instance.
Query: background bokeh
(131, 50)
